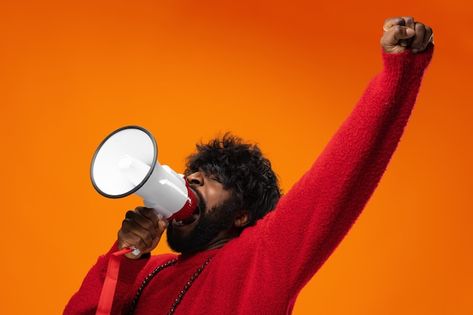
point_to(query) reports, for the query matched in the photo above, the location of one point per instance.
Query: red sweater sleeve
(85, 300)
(313, 217)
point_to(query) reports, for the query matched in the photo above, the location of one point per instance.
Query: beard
(209, 225)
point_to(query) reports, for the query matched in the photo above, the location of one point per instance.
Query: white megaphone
(126, 163)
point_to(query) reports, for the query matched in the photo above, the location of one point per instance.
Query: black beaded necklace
(181, 294)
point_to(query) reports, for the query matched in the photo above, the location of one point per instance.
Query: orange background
(283, 74)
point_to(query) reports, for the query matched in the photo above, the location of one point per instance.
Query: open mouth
(193, 218)
(187, 221)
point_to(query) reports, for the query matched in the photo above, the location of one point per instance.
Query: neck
(217, 243)
(221, 239)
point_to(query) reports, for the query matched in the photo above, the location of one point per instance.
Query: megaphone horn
(126, 163)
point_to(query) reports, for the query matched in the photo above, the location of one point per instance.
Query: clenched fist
(141, 229)
(401, 33)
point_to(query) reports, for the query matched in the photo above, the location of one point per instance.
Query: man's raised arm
(314, 216)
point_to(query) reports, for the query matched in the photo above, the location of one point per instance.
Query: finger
(149, 213)
(409, 21)
(123, 244)
(130, 226)
(135, 236)
(405, 42)
(133, 239)
(429, 36)
(390, 22)
(397, 33)
(143, 222)
(401, 32)
(419, 37)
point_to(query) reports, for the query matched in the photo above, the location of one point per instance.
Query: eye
(214, 178)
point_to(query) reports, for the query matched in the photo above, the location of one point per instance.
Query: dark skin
(401, 33)
(143, 227)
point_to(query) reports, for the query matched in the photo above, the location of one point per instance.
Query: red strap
(110, 283)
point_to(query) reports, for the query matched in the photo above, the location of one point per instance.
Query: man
(236, 255)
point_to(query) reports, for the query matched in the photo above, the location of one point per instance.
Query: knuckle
(126, 224)
(145, 212)
(126, 238)
(120, 234)
(148, 239)
(420, 26)
(392, 20)
(134, 240)
(152, 233)
(129, 214)
(388, 20)
(125, 227)
(396, 31)
(142, 243)
(397, 28)
(142, 225)
(148, 225)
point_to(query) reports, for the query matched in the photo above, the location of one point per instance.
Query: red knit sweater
(263, 270)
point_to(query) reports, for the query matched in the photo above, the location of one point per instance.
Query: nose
(196, 178)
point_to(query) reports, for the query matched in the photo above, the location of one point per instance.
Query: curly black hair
(242, 169)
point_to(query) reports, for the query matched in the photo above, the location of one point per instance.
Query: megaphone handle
(104, 306)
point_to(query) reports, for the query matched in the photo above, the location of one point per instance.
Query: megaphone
(126, 163)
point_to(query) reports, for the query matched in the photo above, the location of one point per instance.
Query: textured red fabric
(110, 282)
(263, 270)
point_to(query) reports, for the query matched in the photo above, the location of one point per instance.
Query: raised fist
(401, 33)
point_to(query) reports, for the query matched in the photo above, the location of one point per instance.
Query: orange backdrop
(283, 74)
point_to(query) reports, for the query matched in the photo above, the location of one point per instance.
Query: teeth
(175, 222)
(186, 221)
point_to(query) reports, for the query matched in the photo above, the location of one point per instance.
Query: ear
(242, 219)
